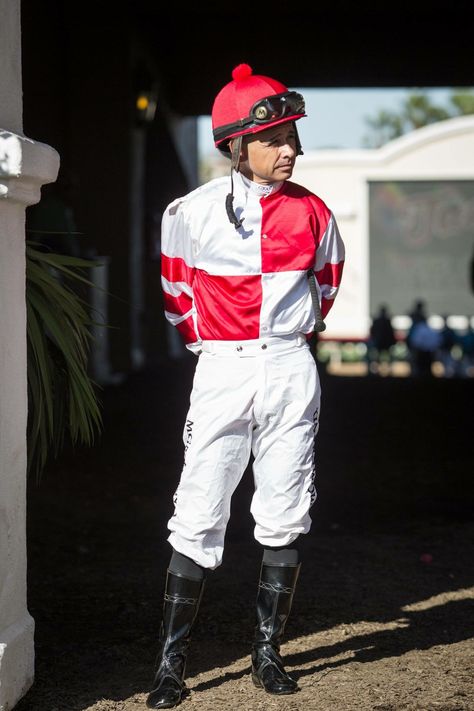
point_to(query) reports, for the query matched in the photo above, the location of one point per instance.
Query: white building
(406, 214)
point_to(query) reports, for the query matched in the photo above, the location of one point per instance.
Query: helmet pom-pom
(241, 71)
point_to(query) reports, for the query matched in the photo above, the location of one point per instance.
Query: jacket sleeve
(177, 274)
(330, 255)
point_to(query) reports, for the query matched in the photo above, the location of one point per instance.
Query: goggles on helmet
(266, 111)
(275, 107)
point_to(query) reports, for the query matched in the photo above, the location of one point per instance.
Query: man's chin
(283, 173)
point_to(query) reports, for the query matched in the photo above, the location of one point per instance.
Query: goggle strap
(223, 131)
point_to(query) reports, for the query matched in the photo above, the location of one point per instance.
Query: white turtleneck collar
(258, 188)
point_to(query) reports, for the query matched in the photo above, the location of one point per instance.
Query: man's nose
(288, 150)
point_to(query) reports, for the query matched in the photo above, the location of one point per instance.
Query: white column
(24, 167)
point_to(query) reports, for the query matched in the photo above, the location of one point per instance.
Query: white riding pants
(260, 396)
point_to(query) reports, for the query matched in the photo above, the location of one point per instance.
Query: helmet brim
(222, 143)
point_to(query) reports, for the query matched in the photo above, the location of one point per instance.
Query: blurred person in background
(445, 353)
(381, 341)
(423, 342)
(466, 341)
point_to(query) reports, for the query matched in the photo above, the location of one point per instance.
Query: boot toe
(275, 681)
(168, 695)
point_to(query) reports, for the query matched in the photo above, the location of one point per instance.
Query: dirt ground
(383, 616)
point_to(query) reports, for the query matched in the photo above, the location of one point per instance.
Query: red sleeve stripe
(176, 269)
(330, 274)
(326, 306)
(177, 304)
(186, 329)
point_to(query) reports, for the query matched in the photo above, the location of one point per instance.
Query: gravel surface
(383, 613)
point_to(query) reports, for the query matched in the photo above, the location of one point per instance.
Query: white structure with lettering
(443, 151)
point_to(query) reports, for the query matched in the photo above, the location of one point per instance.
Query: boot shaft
(274, 600)
(181, 602)
(182, 598)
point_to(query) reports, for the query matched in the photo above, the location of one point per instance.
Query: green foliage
(384, 127)
(463, 103)
(63, 400)
(415, 112)
(418, 111)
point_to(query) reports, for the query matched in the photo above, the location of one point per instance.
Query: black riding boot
(274, 598)
(180, 607)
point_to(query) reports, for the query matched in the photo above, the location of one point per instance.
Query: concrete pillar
(25, 165)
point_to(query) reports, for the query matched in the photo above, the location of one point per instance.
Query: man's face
(269, 156)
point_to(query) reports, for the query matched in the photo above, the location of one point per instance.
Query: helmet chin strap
(234, 165)
(299, 150)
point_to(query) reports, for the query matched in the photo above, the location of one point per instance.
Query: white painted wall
(10, 77)
(442, 151)
(24, 167)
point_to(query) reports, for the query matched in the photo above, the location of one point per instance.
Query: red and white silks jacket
(220, 283)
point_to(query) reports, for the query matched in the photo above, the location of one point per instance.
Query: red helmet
(252, 103)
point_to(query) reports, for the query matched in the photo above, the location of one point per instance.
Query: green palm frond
(63, 399)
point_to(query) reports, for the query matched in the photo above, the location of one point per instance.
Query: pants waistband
(256, 346)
